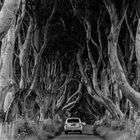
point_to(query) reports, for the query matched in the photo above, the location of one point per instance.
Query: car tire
(80, 132)
(66, 132)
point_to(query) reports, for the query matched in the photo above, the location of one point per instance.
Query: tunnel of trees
(70, 58)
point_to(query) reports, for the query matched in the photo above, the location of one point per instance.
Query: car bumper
(73, 129)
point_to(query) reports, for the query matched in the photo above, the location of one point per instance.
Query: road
(87, 135)
(77, 137)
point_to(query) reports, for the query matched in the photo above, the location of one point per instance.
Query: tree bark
(6, 61)
(104, 82)
(24, 55)
(7, 15)
(127, 90)
(7, 22)
(96, 94)
(137, 49)
(116, 23)
(109, 104)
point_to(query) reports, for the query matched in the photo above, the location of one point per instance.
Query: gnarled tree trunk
(137, 49)
(24, 55)
(96, 94)
(7, 14)
(7, 20)
(116, 23)
(6, 61)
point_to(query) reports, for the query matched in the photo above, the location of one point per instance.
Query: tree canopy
(70, 57)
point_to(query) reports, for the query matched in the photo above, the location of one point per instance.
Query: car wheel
(66, 132)
(80, 132)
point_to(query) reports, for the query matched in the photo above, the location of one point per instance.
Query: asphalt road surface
(77, 137)
(87, 135)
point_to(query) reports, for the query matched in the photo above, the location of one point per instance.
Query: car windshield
(73, 120)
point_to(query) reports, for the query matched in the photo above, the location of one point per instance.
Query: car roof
(73, 118)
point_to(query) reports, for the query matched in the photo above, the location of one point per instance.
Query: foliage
(21, 129)
(126, 125)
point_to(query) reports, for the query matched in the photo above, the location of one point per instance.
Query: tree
(7, 24)
(63, 51)
(116, 22)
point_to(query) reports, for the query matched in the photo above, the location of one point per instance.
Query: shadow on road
(74, 133)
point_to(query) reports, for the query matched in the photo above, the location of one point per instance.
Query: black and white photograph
(69, 69)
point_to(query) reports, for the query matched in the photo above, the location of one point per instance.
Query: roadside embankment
(109, 134)
(23, 130)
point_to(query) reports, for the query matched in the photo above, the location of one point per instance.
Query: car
(73, 125)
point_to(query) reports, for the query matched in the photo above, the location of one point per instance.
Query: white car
(73, 125)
